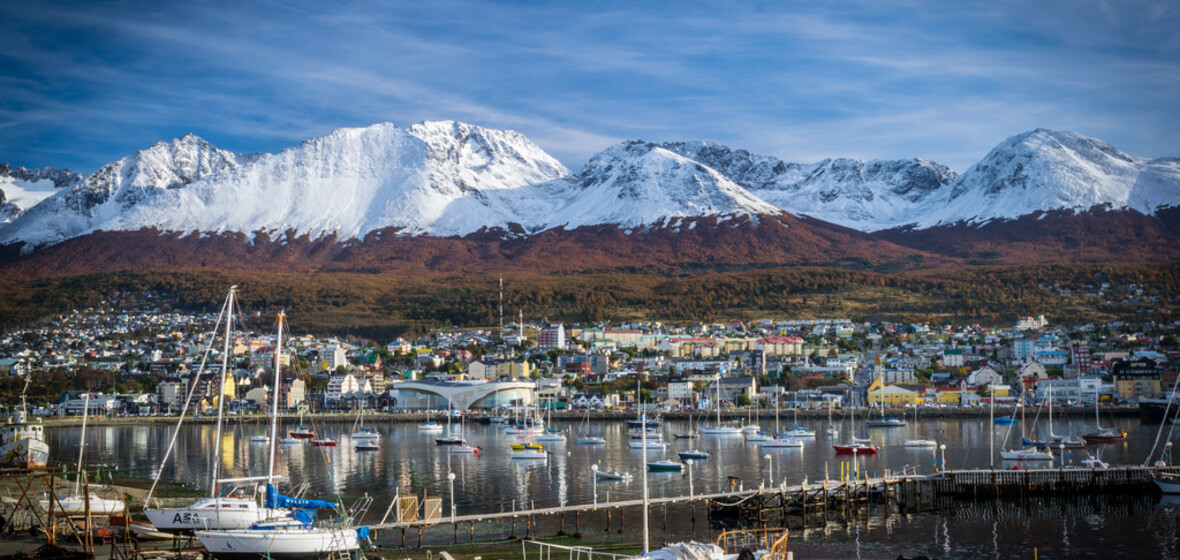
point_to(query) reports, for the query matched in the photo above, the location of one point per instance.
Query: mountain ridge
(452, 179)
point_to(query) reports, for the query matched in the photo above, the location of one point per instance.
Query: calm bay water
(410, 462)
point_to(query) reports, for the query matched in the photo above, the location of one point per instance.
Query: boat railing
(732, 542)
(544, 551)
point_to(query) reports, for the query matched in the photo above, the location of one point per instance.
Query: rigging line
(1164, 420)
(184, 409)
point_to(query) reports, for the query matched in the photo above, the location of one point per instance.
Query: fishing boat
(857, 448)
(692, 454)
(665, 465)
(24, 444)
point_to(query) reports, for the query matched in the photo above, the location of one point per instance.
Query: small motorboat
(611, 475)
(464, 449)
(692, 435)
(324, 442)
(921, 443)
(366, 445)
(259, 439)
(693, 454)
(781, 442)
(665, 465)
(591, 440)
(1026, 454)
(857, 448)
(525, 447)
(450, 440)
(649, 444)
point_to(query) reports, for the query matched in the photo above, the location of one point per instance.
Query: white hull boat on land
(279, 542)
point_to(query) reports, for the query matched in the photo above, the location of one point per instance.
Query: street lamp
(1061, 450)
(689, 463)
(770, 467)
(451, 480)
(943, 448)
(595, 477)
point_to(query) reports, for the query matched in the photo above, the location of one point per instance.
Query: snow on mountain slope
(21, 188)
(861, 195)
(637, 183)
(349, 182)
(1046, 170)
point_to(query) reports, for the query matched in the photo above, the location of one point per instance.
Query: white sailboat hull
(278, 544)
(721, 431)
(76, 505)
(233, 513)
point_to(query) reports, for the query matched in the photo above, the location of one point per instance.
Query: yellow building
(892, 395)
(949, 398)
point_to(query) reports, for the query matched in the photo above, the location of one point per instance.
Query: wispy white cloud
(798, 80)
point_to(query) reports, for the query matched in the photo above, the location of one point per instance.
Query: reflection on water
(410, 462)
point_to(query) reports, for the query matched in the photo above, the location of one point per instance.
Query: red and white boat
(302, 432)
(324, 442)
(858, 448)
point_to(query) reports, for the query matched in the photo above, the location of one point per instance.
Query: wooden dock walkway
(902, 491)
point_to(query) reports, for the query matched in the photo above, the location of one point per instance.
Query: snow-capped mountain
(637, 183)
(863, 195)
(453, 179)
(1045, 170)
(349, 182)
(21, 188)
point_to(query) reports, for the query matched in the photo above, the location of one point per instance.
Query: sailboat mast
(274, 414)
(229, 321)
(82, 439)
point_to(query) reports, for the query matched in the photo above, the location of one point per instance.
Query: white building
(334, 356)
(338, 385)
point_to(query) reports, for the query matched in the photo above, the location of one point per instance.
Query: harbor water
(410, 463)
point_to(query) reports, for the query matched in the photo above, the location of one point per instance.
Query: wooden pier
(768, 506)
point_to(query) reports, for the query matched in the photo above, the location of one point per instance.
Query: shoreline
(578, 416)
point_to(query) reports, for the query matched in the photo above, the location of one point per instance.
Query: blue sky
(85, 83)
